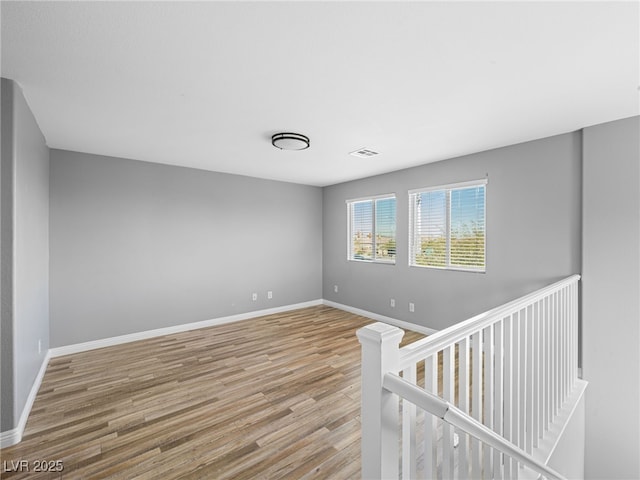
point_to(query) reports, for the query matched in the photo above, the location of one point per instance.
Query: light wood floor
(273, 397)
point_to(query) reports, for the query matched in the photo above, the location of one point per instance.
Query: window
(448, 226)
(372, 229)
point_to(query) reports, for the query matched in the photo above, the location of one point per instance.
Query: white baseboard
(11, 437)
(381, 318)
(133, 337)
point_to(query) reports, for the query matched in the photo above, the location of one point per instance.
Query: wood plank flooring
(273, 397)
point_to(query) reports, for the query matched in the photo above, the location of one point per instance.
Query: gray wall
(611, 298)
(6, 259)
(25, 252)
(138, 246)
(533, 234)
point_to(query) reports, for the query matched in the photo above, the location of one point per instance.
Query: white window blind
(372, 229)
(448, 227)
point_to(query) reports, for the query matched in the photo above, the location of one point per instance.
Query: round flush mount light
(290, 141)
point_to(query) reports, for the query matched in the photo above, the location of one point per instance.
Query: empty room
(311, 239)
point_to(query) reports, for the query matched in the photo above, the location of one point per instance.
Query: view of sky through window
(372, 229)
(449, 227)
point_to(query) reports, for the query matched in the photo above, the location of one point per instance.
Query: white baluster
(556, 354)
(537, 372)
(430, 421)
(464, 380)
(476, 402)
(563, 345)
(448, 386)
(488, 374)
(498, 417)
(509, 390)
(575, 331)
(523, 378)
(517, 379)
(528, 380)
(573, 354)
(568, 343)
(553, 358)
(548, 358)
(409, 453)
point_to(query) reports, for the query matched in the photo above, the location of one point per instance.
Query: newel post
(380, 408)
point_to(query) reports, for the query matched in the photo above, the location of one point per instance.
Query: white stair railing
(510, 369)
(456, 418)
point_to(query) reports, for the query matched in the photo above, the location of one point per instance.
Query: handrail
(456, 417)
(432, 344)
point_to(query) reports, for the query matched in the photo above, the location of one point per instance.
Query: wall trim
(381, 318)
(158, 332)
(13, 436)
(547, 446)
(545, 450)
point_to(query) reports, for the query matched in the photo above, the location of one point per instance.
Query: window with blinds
(372, 229)
(448, 228)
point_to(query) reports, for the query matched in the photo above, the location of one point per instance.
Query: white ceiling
(206, 84)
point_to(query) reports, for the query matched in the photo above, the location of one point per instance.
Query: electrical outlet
(254, 297)
(412, 307)
(335, 288)
(392, 302)
(269, 294)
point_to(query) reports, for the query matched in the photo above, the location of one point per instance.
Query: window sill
(380, 262)
(453, 269)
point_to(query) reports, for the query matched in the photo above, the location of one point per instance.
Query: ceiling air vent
(364, 153)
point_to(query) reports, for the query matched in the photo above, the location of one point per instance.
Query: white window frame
(412, 222)
(373, 199)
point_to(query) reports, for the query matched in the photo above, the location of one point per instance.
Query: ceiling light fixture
(290, 141)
